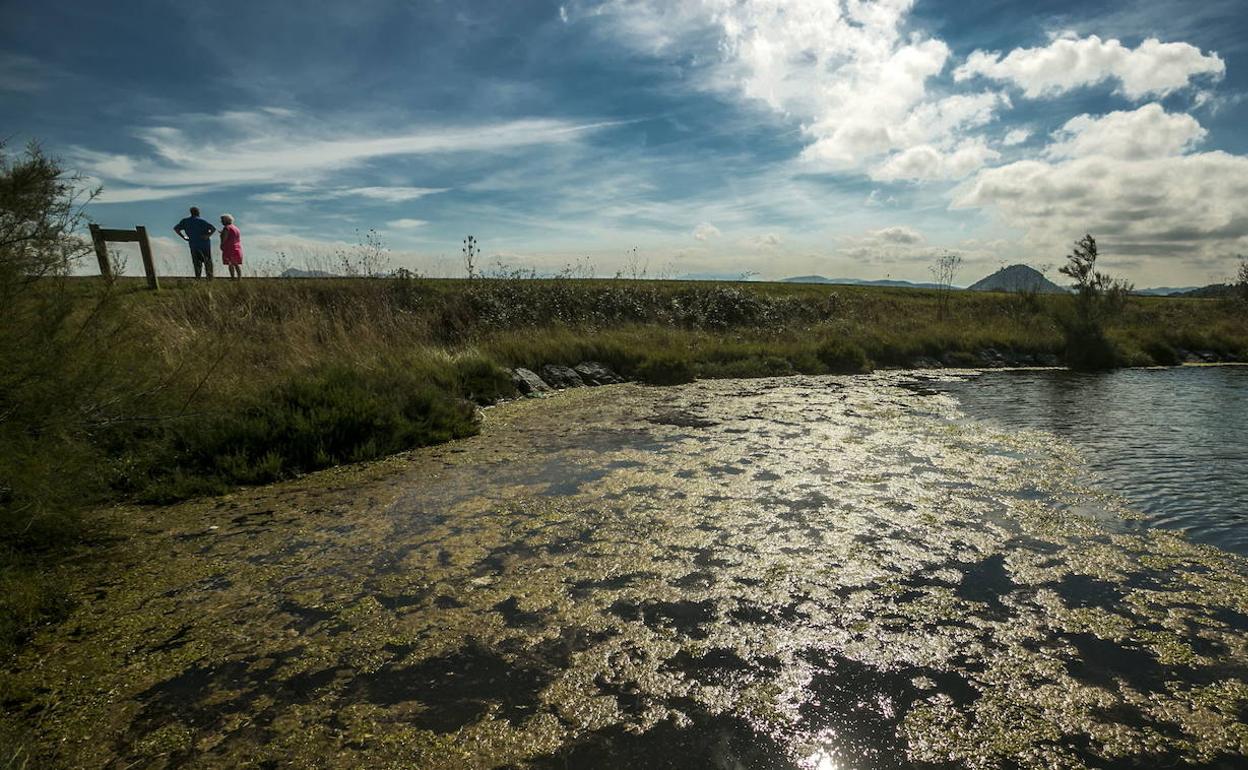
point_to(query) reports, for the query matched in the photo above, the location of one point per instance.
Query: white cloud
(395, 194)
(392, 194)
(1152, 69)
(705, 231)
(274, 147)
(767, 241)
(1149, 132)
(925, 162)
(1125, 178)
(886, 244)
(1016, 136)
(112, 193)
(896, 234)
(849, 72)
(407, 224)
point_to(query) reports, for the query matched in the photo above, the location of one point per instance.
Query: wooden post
(149, 265)
(101, 252)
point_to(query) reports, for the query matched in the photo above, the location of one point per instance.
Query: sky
(724, 138)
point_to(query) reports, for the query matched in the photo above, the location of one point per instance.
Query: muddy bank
(805, 572)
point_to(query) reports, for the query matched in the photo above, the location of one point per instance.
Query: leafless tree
(472, 252)
(944, 270)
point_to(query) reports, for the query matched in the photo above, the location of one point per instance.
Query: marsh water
(1174, 441)
(824, 573)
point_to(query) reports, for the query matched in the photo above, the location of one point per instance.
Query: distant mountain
(1165, 291)
(1017, 278)
(858, 282)
(1212, 290)
(294, 272)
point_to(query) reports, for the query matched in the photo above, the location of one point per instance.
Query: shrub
(1162, 353)
(665, 370)
(66, 372)
(326, 417)
(1098, 297)
(745, 366)
(843, 357)
(481, 380)
(1088, 348)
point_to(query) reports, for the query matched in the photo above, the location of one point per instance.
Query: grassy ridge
(203, 386)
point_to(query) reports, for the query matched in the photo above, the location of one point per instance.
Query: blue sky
(717, 137)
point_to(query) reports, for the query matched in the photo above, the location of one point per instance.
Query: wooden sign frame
(102, 236)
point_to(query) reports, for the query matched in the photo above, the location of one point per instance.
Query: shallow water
(1174, 442)
(817, 573)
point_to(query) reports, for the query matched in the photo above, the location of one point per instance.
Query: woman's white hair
(227, 218)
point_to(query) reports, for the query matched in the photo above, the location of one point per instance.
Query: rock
(991, 357)
(923, 362)
(561, 377)
(528, 383)
(959, 360)
(594, 373)
(1048, 359)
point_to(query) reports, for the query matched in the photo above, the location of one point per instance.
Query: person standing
(198, 233)
(231, 246)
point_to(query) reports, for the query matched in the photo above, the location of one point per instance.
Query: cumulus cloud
(1153, 68)
(896, 234)
(1131, 180)
(886, 244)
(1148, 132)
(927, 162)
(705, 231)
(1016, 136)
(848, 71)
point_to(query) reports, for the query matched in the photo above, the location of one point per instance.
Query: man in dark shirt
(198, 233)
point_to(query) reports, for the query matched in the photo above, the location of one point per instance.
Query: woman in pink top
(231, 246)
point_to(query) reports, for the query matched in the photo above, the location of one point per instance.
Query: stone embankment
(558, 377)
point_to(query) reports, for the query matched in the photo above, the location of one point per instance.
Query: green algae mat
(823, 573)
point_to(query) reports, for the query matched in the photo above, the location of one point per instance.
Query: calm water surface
(1174, 442)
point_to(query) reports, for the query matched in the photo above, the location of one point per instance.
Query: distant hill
(1165, 291)
(294, 272)
(857, 282)
(1212, 290)
(1017, 278)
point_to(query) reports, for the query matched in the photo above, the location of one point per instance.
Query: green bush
(481, 380)
(1162, 353)
(746, 366)
(326, 417)
(665, 370)
(842, 357)
(1088, 348)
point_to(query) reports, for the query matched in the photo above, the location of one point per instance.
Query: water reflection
(1174, 442)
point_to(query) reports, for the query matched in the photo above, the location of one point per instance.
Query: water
(805, 573)
(1174, 442)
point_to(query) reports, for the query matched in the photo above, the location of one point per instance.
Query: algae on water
(802, 572)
